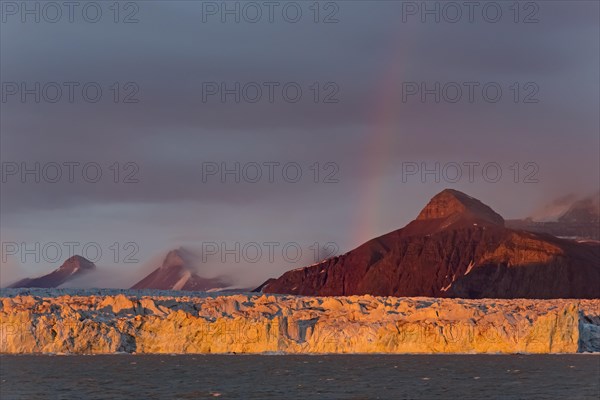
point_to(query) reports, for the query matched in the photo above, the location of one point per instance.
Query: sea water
(456, 377)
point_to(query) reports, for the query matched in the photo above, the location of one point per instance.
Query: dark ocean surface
(457, 377)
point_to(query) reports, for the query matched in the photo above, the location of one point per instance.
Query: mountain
(73, 267)
(566, 217)
(583, 210)
(177, 273)
(457, 247)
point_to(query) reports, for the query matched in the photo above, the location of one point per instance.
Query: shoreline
(124, 354)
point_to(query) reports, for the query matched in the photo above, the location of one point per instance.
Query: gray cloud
(369, 134)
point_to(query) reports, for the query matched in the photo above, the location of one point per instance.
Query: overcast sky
(368, 115)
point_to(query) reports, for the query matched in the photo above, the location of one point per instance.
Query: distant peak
(178, 257)
(583, 210)
(77, 261)
(452, 203)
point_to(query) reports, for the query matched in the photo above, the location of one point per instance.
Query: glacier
(101, 321)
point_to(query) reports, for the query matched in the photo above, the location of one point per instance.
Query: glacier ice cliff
(133, 322)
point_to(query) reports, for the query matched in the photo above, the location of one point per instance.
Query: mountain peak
(452, 203)
(177, 272)
(583, 210)
(72, 267)
(180, 257)
(77, 262)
